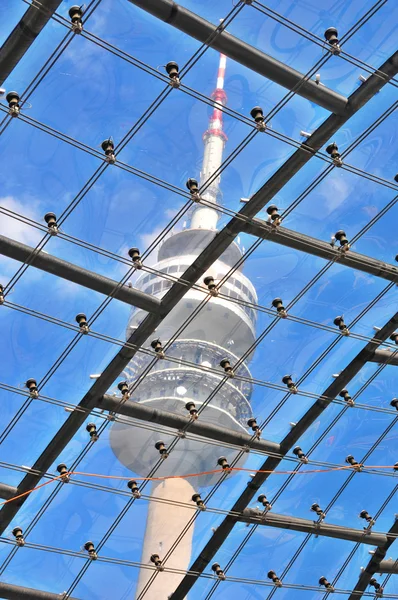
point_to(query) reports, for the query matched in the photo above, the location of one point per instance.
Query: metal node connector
(81, 320)
(63, 471)
(273, 216)
(258, 116)
(135, 256)
(92, 430)
(191, 408)
(109, 148)
(13, 104)
(75, 15)
(123, 387)
(18, 534)
(333, 150)
(394, 403)
(252, 423)
(132, 485)
(31, 384)
(218, 571)
(297, 451)
(173, 73)
(162, 449)
(378, 589)
(350, 460)
(193, 188)
(199, 502)
(263, 500)
(346, 397)
(226, 365)
(89, 547)
(51, 221)
(157, 561)
(275, 579)
(211, 285)
(339, 322)
(331, 37)
(223, 463)
(287, 380)
(157, 346)
(394, 337)
(323, 581)
(318, 510)
(278, 304)
(340, 236)
(367, 517)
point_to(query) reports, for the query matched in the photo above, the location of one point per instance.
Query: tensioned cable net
(198, 300)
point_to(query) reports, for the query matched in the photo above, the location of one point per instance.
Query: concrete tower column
(224, 330)
(164, 524)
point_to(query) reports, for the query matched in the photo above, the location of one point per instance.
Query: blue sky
(91, 95)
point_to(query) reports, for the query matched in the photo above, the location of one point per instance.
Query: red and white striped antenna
(219, 96)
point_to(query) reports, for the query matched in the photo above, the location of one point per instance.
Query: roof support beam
(283, 175)
(76, 419)
(309, 245)
(24, 34)
(70, 272)
(388, 566)
(17, 592)
(169, 419)
(375, 562)
(255, 516)
(7, 491)
(384, 357)
(224, 529)
(249, 56)
(209, 255)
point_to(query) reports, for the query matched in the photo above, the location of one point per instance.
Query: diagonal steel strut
(375, 562)
(255, 516)
(310, 245)
(23, 35)
(208, 256)
(226, 526)
(249, 56)
(70, 272)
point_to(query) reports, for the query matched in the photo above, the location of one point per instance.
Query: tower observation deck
(222, 329)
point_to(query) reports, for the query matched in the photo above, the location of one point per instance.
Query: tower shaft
(164, 524)
(214, 140)
(223, 330)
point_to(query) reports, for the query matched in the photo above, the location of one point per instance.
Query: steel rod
(249, 56)
(7, 491)
(305, 243)
(211, 431)
(23, 35)
(18, 592)
(70, 272)
(388, 566)
(384, 356)
(374, 563)
(255, 516)
(224, 529)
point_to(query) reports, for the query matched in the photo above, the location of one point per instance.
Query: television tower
(223, 329)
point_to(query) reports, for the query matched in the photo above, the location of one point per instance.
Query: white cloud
(17, 229)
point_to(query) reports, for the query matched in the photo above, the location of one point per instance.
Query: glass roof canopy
(109, 81)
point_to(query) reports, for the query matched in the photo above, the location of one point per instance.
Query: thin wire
(283, 20)
(49, 63)
(334, 499)
(129, 563)
(73, 204)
